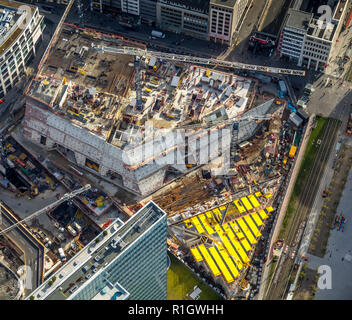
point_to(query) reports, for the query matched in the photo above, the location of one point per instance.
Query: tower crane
(65, 197)
(196, 60)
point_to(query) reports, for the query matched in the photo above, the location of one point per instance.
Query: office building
(308, 41)
(224, 19)
(20, 35)
(182, 16)
(129, 262)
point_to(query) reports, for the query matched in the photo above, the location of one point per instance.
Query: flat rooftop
(10, 18)
(71, 273)
(298, 19)
(225, 3)
(339, 10)
(327, 33)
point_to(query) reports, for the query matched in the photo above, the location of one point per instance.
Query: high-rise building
(129, 262)
(21, 28)
(309, 41)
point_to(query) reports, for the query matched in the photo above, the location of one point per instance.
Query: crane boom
(55, 35)
(64, 198)
(226, 122)
(198, 60)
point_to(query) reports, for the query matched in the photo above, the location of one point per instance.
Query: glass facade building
(128, 262)
(140, 269)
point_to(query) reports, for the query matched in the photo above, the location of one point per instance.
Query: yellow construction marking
(63, 294)
(187, 223)
(221, 264)
(228, 245)
(228, 261)
(258, 194)
(262, 214)
(246, 203)
(252, 226)
(217, 214)
(254, 201)
(196, 254)
(268, 195)
(214, 269)
(197, 225)
(240, 208)
(206, 224)
(235, 243)
(256, 218)
(209, 215)
(240, 236)
(246, 231)
(269, 209)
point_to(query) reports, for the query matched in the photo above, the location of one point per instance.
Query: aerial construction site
(155, 126)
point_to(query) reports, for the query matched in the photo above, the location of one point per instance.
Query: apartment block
(20, 33)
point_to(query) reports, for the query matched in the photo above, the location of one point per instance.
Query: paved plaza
(339, 253)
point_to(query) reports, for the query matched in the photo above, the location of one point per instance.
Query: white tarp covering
(175, 81)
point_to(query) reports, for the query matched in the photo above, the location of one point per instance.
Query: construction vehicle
(78, 243)
(62, 254)
(65, 197)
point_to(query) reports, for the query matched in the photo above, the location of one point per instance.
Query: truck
(158, 34)
(71, 231)
(62, 254)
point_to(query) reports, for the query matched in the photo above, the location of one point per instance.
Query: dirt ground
(8, 284)
(327, 215)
